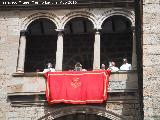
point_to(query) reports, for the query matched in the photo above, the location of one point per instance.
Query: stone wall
(24, 113)
(151, 59)
(8, 39)
(129, 111)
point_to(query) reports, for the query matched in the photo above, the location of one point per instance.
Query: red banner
(77, 87)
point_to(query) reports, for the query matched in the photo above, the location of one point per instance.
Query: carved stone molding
(26, 22)
(75, 14)
(117, 11)
(99, 111)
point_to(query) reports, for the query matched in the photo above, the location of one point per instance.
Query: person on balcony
(49, 68)
(78, 67)
(126, 65)
(112, 67)
(103, 67)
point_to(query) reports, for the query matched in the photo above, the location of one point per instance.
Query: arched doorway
(116, 40)
(41, 45)
(82, 116)
(81, 113)
(78, 43)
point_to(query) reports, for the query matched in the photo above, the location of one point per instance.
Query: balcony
(54, 4)
(29, 88)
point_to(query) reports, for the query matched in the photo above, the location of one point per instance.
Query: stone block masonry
(151, 57)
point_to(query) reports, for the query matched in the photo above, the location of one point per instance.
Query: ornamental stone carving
(117, 11)
(26, 22)
(75, 14)
(57, 113)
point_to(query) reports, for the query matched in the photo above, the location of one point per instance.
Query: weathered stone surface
(151, 72)
(148, 49)
(127, 110)
(151, 61)
(26, 113)
(151, 1)
(152, 90)
(151, 18)
(151, 8)
(151, 39)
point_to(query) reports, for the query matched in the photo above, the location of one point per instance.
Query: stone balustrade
(35, 82)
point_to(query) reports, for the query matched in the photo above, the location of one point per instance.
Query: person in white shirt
(49, 68)
(112, 67)
(126, 65)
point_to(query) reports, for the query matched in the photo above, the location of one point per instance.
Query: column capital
(133, 28)
(97, 31)
(60, 31)
(23, 32)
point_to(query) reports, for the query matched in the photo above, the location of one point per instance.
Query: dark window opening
(41, 45)
(116, 40)
(78, 44)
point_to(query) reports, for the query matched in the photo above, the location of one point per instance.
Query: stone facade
(12, 22)
(151, 59)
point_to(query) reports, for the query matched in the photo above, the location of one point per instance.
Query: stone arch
(75, 14)
(129, 16)
(26, 22)
(99, 111)
(117, 11)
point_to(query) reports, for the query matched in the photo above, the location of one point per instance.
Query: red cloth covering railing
(77, 87)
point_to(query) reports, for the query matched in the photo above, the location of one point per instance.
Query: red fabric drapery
(77, 87)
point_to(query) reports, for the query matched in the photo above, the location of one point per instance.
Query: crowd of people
(125, 66)
(112, 66)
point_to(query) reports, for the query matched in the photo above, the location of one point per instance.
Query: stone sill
(41, 74)
(38, 98)
(25, 93)
(44, 103)
(43, 92)
(32, 83)
(28, 74)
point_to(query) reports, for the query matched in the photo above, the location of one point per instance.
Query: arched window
(78, 43)
(116, 40)
(41, 42)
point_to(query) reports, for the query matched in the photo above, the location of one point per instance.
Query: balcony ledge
(41, 74)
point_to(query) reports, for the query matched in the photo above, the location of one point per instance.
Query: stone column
(59, 53)
(134, 55)
(96, 60)
(22, 48)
